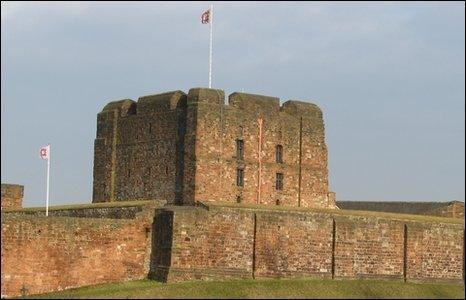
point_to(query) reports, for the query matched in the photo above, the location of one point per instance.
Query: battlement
(206, 96)
(124, 107)
(160, 102)
(260, 104)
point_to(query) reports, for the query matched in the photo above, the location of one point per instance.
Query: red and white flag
(44, 152)
(205, 18)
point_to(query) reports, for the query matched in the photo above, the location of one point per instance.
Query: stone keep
(188, 148)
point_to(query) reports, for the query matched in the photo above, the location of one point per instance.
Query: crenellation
(161, 102)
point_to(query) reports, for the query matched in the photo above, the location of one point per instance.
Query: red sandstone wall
(136, 153)
(368, 247)
(12, 196)
(293, 245)
(435, 251)
(297, 126)
(208, 246)
(45, 254)
(286, 244)
(48, 254)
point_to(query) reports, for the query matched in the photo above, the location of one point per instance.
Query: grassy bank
(276, 288)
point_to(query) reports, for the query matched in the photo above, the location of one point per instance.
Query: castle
(188, 148)
(197, 165)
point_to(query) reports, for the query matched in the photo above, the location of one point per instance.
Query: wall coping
(333, 212)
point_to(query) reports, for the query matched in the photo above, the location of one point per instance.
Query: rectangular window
(239, 177)
(279, 181)
(239, 149)
(279, 154)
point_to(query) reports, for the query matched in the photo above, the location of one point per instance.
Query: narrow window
(239, 149)
(129, 172)
(279, 154)
(279, 181)
(239, 177)
(240, 131)
(148, 171)
(166, 170)
(150, 127)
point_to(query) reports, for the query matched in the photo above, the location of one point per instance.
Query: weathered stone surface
(452, 209)
(176, 243)
(220, 242)
(12, 196)
(43, 254)
(182, 148)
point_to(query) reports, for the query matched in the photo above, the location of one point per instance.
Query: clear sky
(389, 78)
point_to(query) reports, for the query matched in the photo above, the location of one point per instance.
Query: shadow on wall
(162, 240)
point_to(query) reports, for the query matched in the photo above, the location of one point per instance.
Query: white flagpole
(210, 52)
(48, 182)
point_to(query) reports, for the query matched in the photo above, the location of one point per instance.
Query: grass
(343, 212)
(266, 288)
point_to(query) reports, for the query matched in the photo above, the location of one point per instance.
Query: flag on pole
(205, 18)
(44, 152)
(208, 18)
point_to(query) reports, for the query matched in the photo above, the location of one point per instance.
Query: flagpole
(48, 183)
(210, 50)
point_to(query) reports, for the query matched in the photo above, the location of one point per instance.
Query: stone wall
(182, 148)
(452, 209)
(137, 149)
(262, 124)
(176, 243)
(12, 196)
(251, 243)
(43, 254)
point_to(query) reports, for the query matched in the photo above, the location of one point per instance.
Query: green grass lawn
(267, 288)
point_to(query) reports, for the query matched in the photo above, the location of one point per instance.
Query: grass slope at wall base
(266, 288)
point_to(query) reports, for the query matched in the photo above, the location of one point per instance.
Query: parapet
(12, 196)
(159, 102)
(302, 109)
(206, 96)
(125, 107)
(252, 102)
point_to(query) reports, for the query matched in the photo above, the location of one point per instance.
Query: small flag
(44, 152)
(205, 18)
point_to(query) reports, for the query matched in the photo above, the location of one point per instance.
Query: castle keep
(197, 164)
(188, 148)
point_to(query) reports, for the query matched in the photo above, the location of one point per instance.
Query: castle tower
(187, 148)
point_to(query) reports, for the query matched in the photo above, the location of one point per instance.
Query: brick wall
(452, 209)
(12, 196)
(137, 150)
(230, 242)
(43, 254)
(179, 243)
(296, 126)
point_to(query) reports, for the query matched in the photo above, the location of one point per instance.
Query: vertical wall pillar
(300, 158)
(334, 231)
(405, 251)
(105, 149)
(254, 246)
(204, 120)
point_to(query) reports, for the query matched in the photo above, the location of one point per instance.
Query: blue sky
(389, 78)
